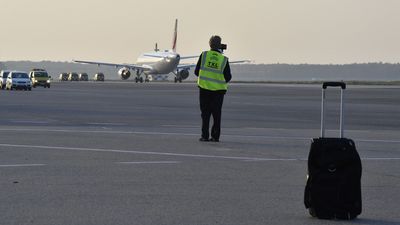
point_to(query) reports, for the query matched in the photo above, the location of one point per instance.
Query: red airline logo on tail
(175, 36)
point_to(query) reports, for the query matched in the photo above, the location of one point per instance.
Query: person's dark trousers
(211, 104)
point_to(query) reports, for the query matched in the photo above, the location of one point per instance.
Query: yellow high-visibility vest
(211, 74)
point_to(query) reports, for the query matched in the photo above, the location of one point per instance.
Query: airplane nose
(172, 57)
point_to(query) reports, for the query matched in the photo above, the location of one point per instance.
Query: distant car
(63, 76)
(98, 77)
(73, 77)
(18, 80)
(83, 77)
(3, 78)
(40, 77)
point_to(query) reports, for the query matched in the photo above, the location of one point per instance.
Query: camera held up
(215, 43)
(223, 47)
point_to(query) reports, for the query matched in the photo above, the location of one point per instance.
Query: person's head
(215, 42)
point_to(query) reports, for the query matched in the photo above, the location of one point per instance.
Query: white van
(18, 80)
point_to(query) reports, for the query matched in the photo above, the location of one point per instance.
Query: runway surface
(125, 153)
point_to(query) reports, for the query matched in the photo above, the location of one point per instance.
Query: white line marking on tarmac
(188, 134)
(380, 159)
(151, 162)
(382, 141)
(111, 124)
(249, 159)
(275, 159)
(102, 131)
(29, 121)
(22, 165)
(181, 126)
(131, 152)
(305, 159)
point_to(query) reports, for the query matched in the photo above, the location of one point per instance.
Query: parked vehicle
(18, 80)
(63, 77)
(83, 77)
(98, 77)
(3, 78)
(40, 77)
(73, 77)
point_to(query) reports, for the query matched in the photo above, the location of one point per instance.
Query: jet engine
(183, 74)
(124, 73)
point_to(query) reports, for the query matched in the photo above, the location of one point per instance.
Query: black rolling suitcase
(333, 189)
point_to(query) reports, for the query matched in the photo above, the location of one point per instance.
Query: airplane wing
(130, 66)
(239, 61)
(185, 66)
(190, 57)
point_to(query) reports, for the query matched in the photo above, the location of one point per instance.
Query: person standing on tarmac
(213, 73)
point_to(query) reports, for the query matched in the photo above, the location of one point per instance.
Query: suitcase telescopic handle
(324, 86)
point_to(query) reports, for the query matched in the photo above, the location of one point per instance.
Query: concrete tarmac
(125, 153)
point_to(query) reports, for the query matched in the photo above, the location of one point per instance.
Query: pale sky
(266, 31)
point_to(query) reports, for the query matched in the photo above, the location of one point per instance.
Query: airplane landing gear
(178, 79)
(138, 79)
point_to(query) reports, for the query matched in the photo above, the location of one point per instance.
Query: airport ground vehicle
(73, 77)
(83, 77)
(3, 78)
(18, 80)
(98, 77)
(40, 77)
(63, 77)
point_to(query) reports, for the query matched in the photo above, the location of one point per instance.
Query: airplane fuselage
(159, 62)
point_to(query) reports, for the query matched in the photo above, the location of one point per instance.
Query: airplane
(155, 65)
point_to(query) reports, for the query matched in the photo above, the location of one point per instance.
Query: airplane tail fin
(175, 37)
(156, 48)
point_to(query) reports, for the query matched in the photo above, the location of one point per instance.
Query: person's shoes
(203, 139)
(214, 140)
